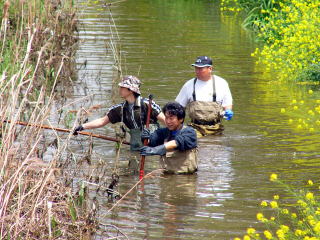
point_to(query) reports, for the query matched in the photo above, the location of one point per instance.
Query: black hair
(136, 95)
(174, 108)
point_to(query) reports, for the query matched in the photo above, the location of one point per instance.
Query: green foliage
(291, 32)
(311, 73)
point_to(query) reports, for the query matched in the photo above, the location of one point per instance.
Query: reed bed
(37, 43)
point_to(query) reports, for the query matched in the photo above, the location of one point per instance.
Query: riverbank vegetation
(290, 31)
(289, 220)
(36, 48)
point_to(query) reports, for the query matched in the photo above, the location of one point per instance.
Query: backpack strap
(143, 112)
(214, 94)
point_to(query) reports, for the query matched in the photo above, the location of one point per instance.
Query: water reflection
(160, 39)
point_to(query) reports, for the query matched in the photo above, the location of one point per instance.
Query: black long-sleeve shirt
(186, 138)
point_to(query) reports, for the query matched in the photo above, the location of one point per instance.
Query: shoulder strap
(143, 111)
(214, 94)
(194, 89)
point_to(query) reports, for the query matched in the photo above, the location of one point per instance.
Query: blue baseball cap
(202, 61)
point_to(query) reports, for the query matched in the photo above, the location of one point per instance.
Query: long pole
(145, 143)
(66, 130)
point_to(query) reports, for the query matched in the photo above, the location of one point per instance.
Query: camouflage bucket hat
(131, 82)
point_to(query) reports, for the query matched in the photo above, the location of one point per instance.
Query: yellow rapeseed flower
(310, 182)
(283, 110)
(273, 177)
(246, 237)
(285, 211)
(251, 231)
(302, 203)
(294, 215)
(267, 234)
(316, 228)
(260, 216)
(273, 204)
(309, 196)
(310, 91)
(295, 107)
(264, 204)
(298, 232)
(276, 197)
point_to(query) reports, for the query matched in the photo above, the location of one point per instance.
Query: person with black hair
(132, 112)
(176, 144)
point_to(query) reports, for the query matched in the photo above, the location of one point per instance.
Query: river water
(159, 39)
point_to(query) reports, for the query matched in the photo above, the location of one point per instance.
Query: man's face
(172, 122)
(203, 73)
(124, 92)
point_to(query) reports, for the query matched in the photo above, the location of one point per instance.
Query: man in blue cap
(207, 98)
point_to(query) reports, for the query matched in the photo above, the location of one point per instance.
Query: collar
(137, 102)
(175, 132)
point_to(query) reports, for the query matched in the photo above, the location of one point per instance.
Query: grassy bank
(290, 31)
(36, 51)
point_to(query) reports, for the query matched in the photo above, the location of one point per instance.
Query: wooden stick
(66, 130)
(145, 143)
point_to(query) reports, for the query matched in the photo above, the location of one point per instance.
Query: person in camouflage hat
(132, 113)
(132, 83)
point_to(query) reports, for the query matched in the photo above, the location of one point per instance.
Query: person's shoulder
(190, 81)
(188, 129)
(220, 80)
(116, 106)
(154, 105)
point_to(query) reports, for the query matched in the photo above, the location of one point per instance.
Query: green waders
(205, 116)
(180, 162)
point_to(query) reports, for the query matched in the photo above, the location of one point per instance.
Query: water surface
(159, 41)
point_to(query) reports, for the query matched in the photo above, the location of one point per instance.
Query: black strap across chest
(214, 95)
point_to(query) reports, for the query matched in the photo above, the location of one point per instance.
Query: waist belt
(199, 122)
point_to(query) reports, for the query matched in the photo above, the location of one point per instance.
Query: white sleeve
(182, 97)
(227, 97)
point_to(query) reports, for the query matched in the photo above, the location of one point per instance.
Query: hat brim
(201, 66)
(129, 87)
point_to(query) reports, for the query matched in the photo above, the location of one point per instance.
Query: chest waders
(180, 162)
(205, 116)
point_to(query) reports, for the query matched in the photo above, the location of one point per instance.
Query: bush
(311, 73)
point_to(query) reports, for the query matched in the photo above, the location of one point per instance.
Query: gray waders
(205, 116)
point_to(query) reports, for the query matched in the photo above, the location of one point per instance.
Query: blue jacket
(186, 138)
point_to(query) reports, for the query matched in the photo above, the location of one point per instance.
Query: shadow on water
(159, 41)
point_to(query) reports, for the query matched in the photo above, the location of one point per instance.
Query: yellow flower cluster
(292, 36)
(302, 224)
(230, 5)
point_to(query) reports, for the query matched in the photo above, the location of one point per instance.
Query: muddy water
(159, 41)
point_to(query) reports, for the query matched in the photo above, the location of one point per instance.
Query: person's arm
(161, 118)
(182, 97)
(100, 122)
(171, 145)
(227, 107)
(186, 139)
